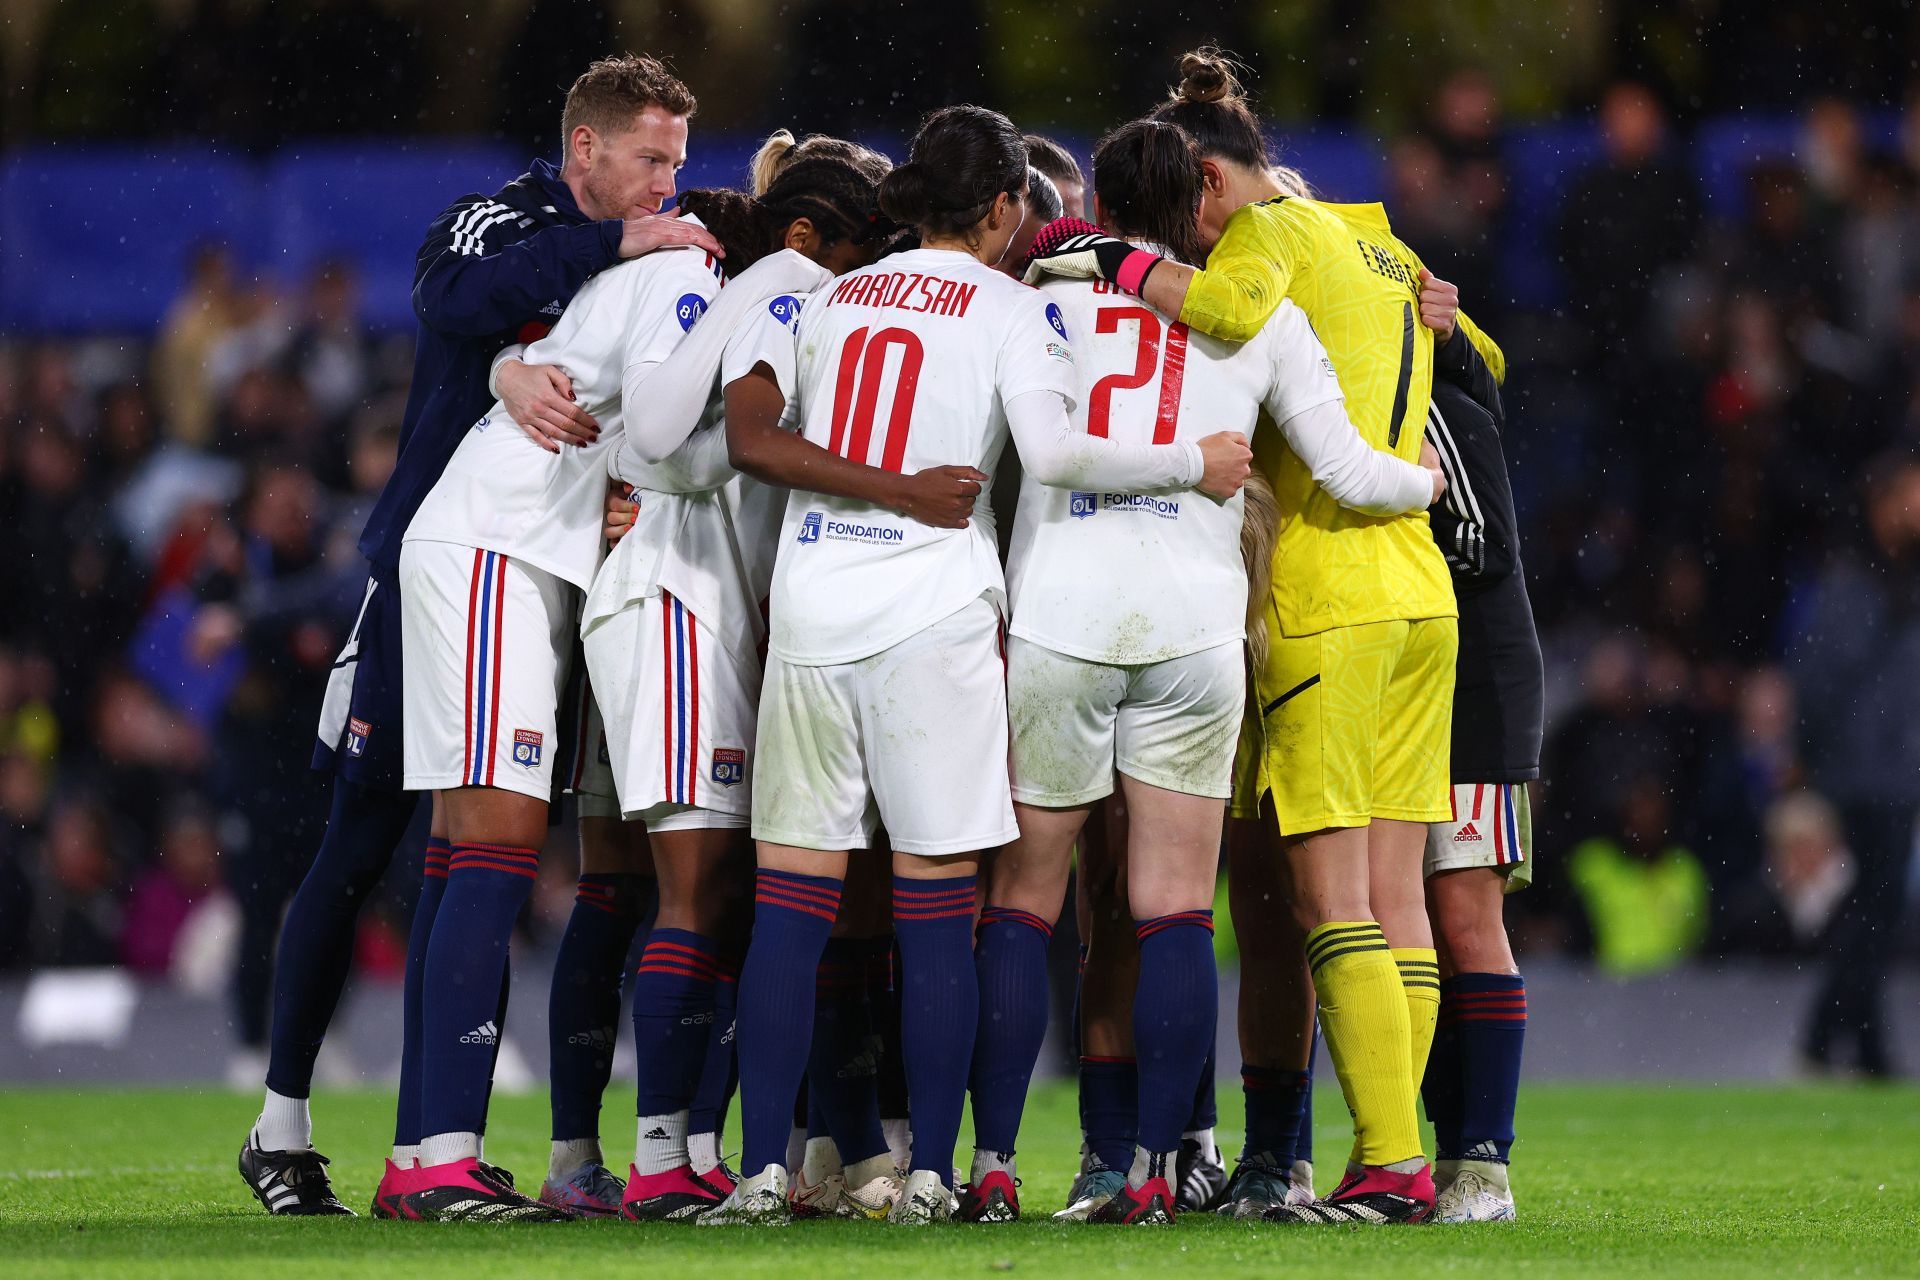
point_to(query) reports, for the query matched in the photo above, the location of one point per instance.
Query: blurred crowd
(1716, 452)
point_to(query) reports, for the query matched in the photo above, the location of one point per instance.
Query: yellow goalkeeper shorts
(1349, 725)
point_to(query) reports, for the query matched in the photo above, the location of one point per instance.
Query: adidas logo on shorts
(485, 1033)
(1466, 834)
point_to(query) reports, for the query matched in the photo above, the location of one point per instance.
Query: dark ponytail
(1211, 106)
(962, 159)
(837, 196)
(1148, 180)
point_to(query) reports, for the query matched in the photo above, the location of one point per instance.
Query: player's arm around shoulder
(1245, 278)
(476, 275)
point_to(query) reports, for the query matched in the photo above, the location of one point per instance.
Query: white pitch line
(32, 1175)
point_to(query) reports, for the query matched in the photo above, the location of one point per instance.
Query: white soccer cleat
(759, 1201)
(1300, 1183)
(1471, 1191)
(815, 1199)
(923, 1199)
(875, 1199)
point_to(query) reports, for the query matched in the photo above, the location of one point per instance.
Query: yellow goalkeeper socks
(1420, 977)
(1363, 1012)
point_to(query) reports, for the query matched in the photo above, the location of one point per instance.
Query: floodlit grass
(1613, 1181)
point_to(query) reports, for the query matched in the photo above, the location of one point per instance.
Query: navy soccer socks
(675, 1004)
(1110, 1109)
(583, 1007)
(793, 916)
(1010, 962)
(939, 1011)
(487, 884)
(1473, 1074)
(1173, 1025)
(842, 1068)
(719, 1073)
(1279, 1105)
(433, 886)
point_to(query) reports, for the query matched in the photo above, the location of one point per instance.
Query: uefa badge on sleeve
(526, 747)
(729, 766)
(1081, 505)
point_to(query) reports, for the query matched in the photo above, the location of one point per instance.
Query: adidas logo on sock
(657, 1134)
(1468, 832)
(485, 1033)
(1483, 1151)
(598, 1038)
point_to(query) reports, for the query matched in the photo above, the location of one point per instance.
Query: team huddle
(695, 521)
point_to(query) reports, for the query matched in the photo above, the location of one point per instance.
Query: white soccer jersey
(712, 549)
(905, 365)
(1130, 578)
(504, 493)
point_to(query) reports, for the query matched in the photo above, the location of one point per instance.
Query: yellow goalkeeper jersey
(1360, 287)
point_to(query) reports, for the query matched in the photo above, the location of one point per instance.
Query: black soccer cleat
(1370, 1196)
(290, 1184)
(469, 1191)
(1202, 1182)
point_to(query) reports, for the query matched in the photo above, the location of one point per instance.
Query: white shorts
(1492, 826)
(1169, 724)
(486, 642)
(680, 711)
(914, 736)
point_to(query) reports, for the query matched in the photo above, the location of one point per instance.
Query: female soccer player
(1125, 657)
(885, 698)
(1356, 693)
(673, 631)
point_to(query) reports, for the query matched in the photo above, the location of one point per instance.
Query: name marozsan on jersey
(502, 492)
(853, 579)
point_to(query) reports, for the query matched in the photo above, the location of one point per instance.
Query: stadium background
(1694, 227)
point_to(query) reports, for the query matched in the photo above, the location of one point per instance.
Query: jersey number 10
(1147, 360)
(856, 394)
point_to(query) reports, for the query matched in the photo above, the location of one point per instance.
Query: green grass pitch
(1613, 1181)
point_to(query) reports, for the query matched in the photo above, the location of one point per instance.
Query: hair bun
(1206, 75)
(904, 193)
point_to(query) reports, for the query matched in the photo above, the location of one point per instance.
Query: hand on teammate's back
(942, 497)
(1430, 459)
(539, 398)
(622, 510)
(664, 231)
(1228, 459)
(1439, 304)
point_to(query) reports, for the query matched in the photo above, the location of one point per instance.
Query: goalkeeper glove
(1080, 250)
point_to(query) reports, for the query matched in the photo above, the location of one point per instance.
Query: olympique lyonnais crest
(810, 528)
(729, 766)
(357, 732)
(1081, 505)
(526, 747)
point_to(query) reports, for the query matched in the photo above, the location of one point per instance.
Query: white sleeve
(699, 464)
(1034, 353)
(1356, 474)
(1053, 453)
(661, 402)
(675, 394)
(1299, 373)
(517, 351)
(768, 337)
